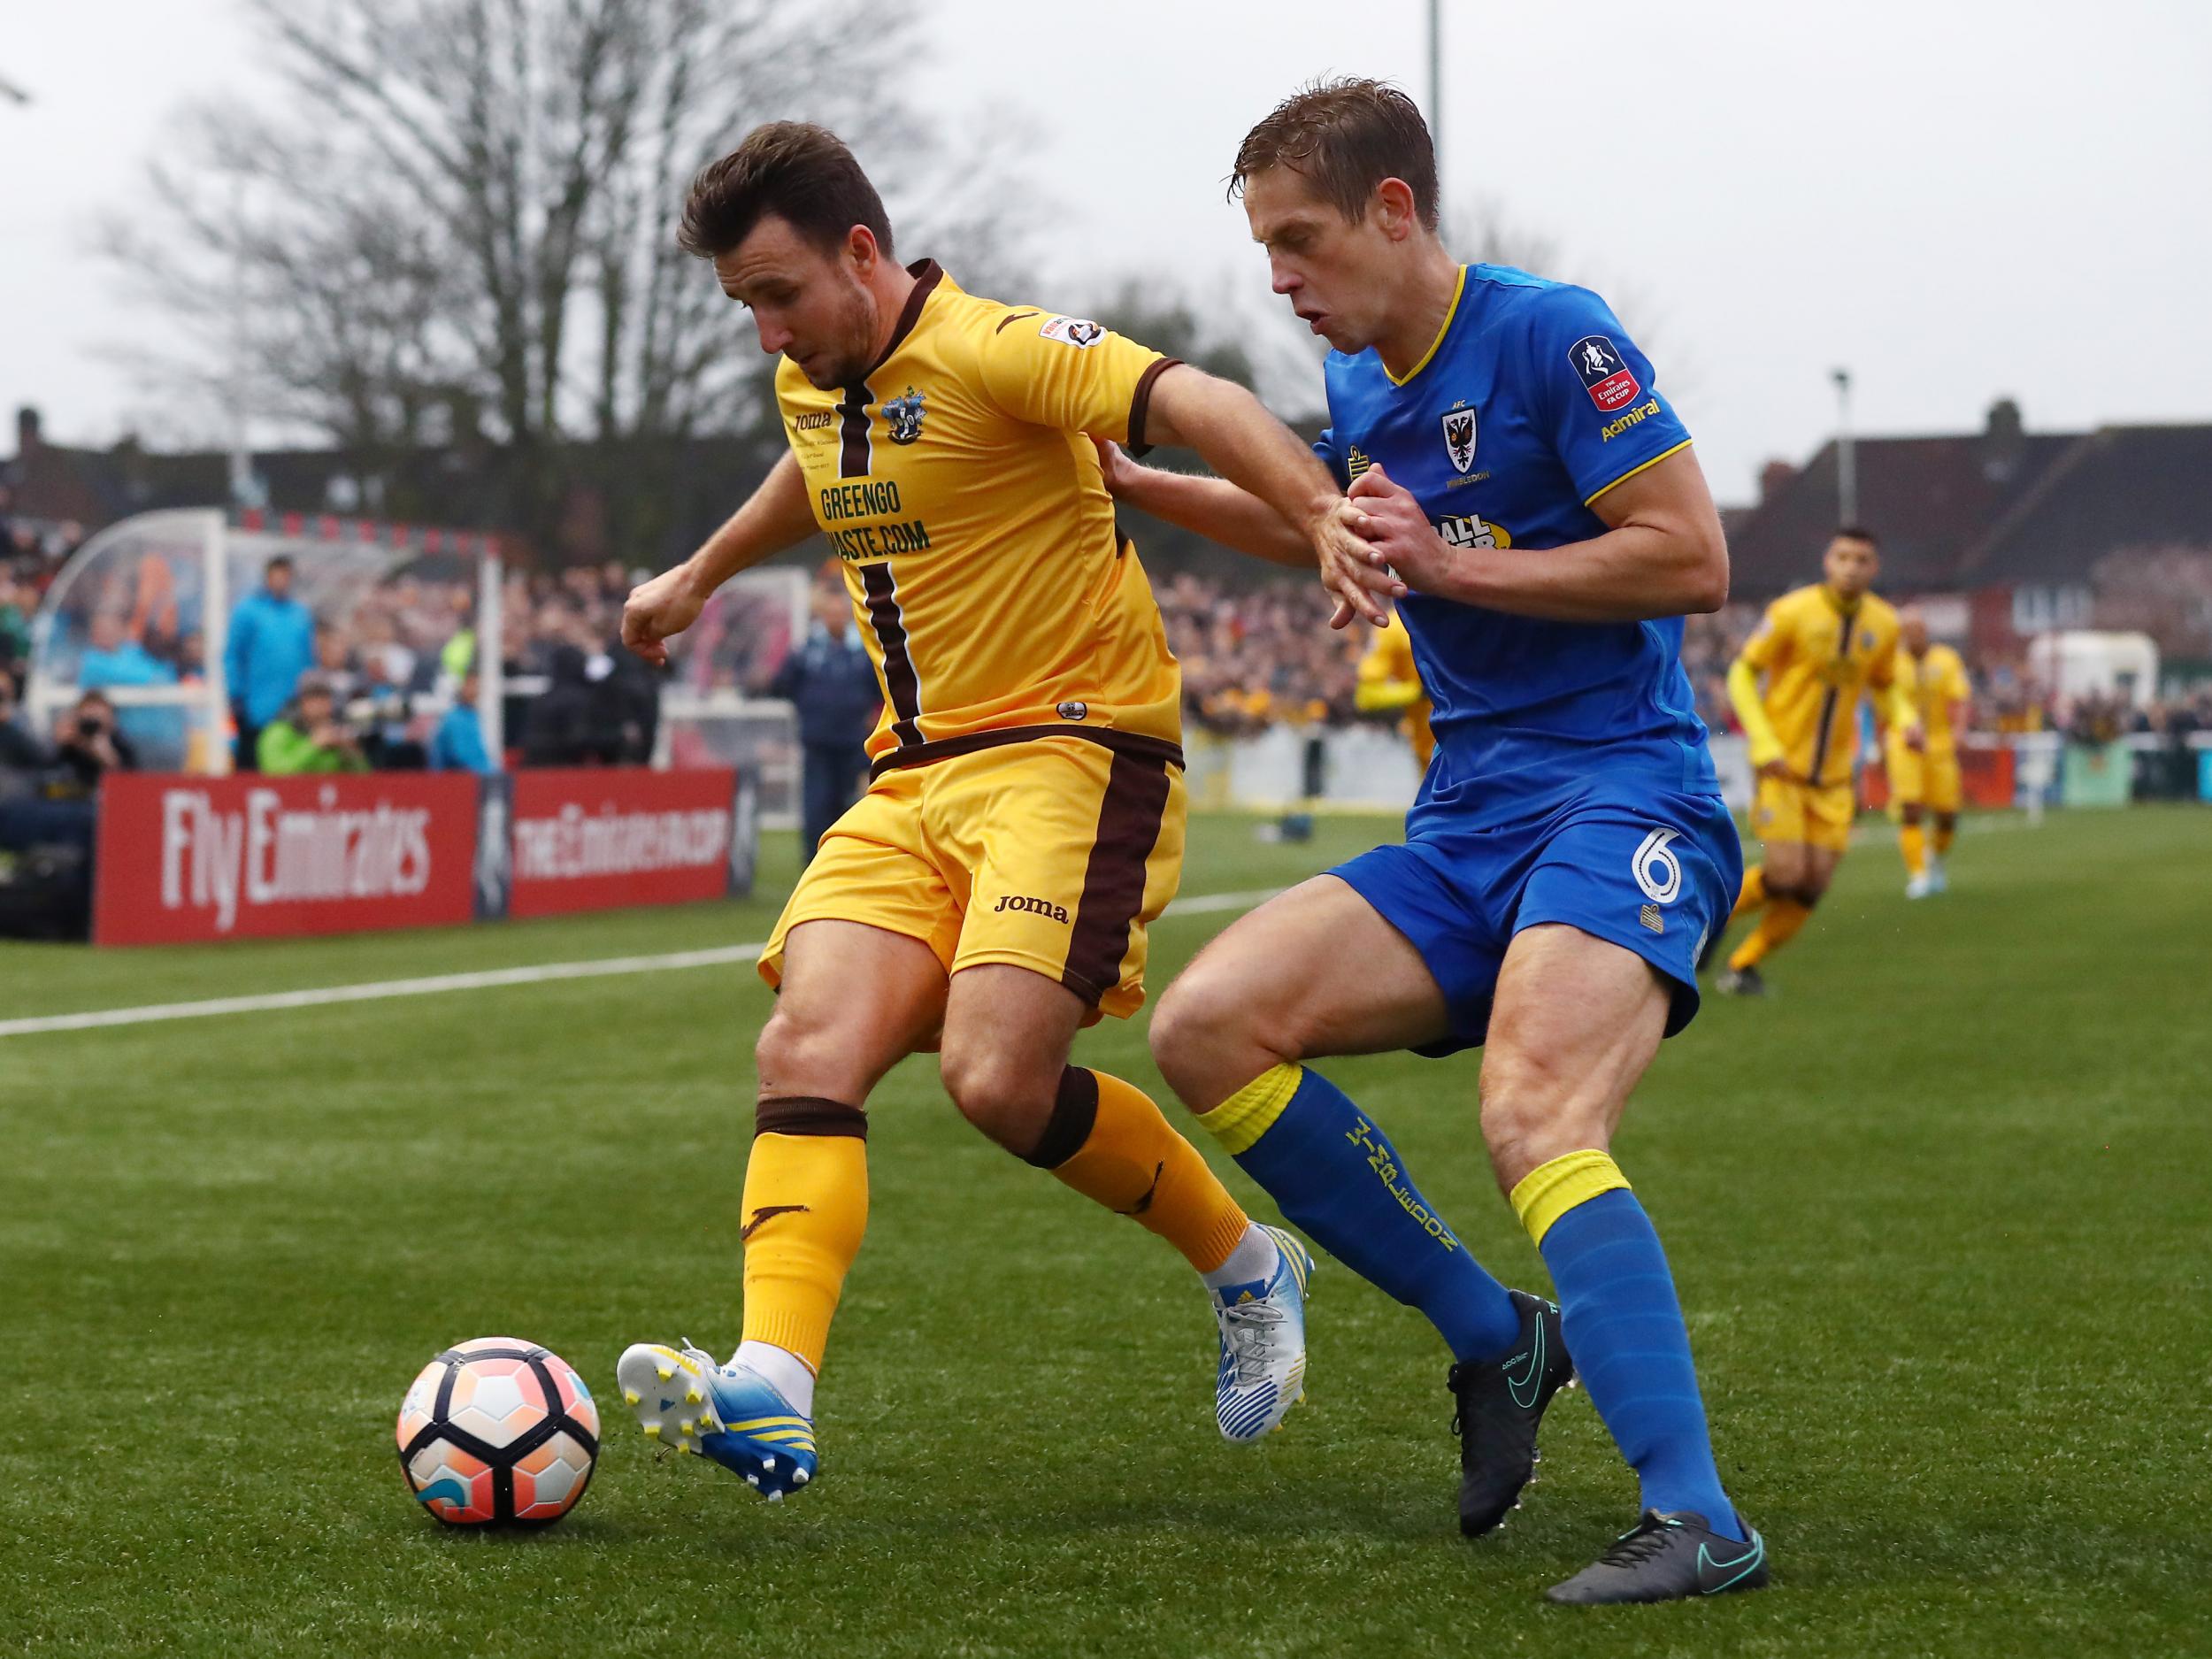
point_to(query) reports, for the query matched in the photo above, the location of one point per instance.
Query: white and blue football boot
(728, 1413)
(1263, 1329)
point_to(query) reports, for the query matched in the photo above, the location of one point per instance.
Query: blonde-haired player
(1923, 777)
(1796, 687)
(1390, 682)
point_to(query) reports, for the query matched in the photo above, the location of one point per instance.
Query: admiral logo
(1604, 371)
(1074, 331)
(905, 416)
(1613, 429)
(1459, 438)
(1034, 907)
(1356, 462)
(265, 855)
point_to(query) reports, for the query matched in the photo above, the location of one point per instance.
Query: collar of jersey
(927, 274)
(1459, 290)
(1835, 602)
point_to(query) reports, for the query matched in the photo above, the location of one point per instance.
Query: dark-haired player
(1024, 822)
(1568, 852)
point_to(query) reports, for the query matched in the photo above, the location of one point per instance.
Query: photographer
(308, 737)
(89, 745)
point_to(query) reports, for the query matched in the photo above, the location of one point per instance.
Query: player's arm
(1895, 706)
(777, 516)
(1211, 507)
(1960, 695)
(1662, 553)
(1763, 651)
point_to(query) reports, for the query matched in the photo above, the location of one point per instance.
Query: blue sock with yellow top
(1625, 1329)
(1336, 1176)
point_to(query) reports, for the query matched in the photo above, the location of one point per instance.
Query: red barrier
(591, 840)
(247, 857)
(1987, 779)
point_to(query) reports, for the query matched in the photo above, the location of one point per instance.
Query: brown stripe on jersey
(927, 273)
(1013, 317)
(1152, 749)
(1140, 402)
(1129, 820)
(853, 454)
(900, 680)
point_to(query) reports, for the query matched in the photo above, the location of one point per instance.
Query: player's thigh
(1313, 971)
(1072, 849)
(1908, 775)
(1576, 1021)
(1946, 791)
(854, 1000)
(1007, 1032)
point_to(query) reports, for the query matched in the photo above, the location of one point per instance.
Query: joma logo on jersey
(905, 416)
(1613, 429)
(1459, 438)
(1034, 907)
(813, 421)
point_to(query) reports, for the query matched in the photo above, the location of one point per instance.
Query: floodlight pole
(1436, 90)
(491, 654)
(1847, 453)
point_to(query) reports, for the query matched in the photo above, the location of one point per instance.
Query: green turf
(1939, 1208)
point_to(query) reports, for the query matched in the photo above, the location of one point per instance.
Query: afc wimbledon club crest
(1459, 438)
(905, 416)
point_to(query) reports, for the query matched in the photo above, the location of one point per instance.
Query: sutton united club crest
(1459, 437)
(905, 416)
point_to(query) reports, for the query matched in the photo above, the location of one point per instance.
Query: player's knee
(1910, 815)
(1522, 1111)
(1203, 1032)
(1000, 1095)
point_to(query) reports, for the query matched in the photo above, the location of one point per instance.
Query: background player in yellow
(1389, 680)
(987, 895)
(1796, 687)
(1923, 777)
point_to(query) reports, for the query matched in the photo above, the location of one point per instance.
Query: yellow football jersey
(957, 483)
(1389, 679)
(1818, 659)
(1934, 682)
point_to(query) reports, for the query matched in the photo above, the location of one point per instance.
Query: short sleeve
(1959, 688)
(1324, 447)
(1070, 374)
(1769, 641)
(1596, 392)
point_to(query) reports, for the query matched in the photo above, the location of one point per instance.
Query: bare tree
(455, 227)
(2165, 592)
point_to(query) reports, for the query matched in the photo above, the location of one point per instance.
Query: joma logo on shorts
(1035, 907)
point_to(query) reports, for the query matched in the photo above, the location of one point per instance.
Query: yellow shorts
(1930, 779)
(1052, 853)
(1787, 810)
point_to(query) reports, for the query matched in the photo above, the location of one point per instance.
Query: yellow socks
(1778, 925)
(1753, 894)
(1912, 840)
(806, 1207)
(1109, 1141)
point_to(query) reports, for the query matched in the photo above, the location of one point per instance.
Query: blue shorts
(1653, 872)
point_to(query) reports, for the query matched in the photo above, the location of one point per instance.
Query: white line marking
(433, 985)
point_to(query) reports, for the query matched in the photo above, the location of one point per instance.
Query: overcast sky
(1959, 199)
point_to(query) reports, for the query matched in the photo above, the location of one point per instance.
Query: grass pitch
(1939, 1211)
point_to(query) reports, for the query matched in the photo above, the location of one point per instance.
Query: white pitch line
(433, 985)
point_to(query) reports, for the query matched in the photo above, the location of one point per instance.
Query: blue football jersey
(1532, 404)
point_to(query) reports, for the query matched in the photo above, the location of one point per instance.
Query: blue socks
(1337, 1176)
(1623, 1327)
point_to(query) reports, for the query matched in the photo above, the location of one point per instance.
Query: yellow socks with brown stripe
(1753, 894)
(1623, 1327)
(1335, 1174)
(1912, 840)
(1108, 1141)
(1785, 914)
(805, 1210)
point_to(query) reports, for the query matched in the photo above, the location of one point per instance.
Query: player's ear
(860, 245)
(1393, 209)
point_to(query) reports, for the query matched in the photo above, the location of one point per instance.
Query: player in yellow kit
(1389, 681)
(1924, 779)
(1796, 687)
(988, 894)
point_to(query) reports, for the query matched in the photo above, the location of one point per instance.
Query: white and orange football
(498, 1430)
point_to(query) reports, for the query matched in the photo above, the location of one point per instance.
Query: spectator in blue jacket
(112, 658)
(833, 684)
(272, 644)
(457, 745)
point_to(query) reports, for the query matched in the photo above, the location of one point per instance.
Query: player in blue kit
(1568, 853)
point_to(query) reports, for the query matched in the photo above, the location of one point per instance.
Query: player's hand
(1777, 768)
(1115, 466)
(658, 610)
(1916, 738)
(1357, 576)
(1400, 532)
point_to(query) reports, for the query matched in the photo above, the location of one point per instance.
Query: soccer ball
(498, 1430)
